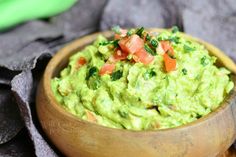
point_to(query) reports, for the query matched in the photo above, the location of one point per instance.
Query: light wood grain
(209, 136)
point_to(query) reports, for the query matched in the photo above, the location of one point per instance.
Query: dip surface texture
(142, 82)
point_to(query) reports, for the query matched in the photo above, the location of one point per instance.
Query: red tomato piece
(171, 51)
(123, 33)
(131, 44)
(170, 63)
(120, 55)
(143, 56)
(82, 61)
(107, 69)
(165, 45)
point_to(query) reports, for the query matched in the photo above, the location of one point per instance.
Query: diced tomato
(143, 56)
(120, 55)
(117, 56)
(170, 63)
(165, 44)
(131, 44)
(122, 44)
(107, 69)
(82, 61)
(90, 116)
(171, 51)
(123, 33)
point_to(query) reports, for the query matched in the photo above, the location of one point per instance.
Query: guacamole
(142, 81)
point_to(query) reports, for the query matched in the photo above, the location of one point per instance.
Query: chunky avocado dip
(142, 81)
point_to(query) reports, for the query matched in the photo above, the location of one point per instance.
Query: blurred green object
(13, 12)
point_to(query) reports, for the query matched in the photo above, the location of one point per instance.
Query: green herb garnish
(140, 31)
(160, 38)
(116, 75)
(130, 32)
(175, 29)
(92, 72)
(116, 29)
(104, 43)
(123, 113)
(149, 50)
(204, 61)
(148, 37)
(184, 71)
(149, 74)
(113, 42)
(174, 39)
(154, 43)
(188, 48)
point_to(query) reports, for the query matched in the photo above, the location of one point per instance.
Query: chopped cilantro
(92, 71)
(149, 50)
(175, 29)
(188, 48)
(154, 43)
(130, 32)
(116, 75)
(149, 74)
(113, 42)
(140, 31)
(148, 37)
(160, 38)
(104, 43)
(116, 29)
(123, 113)
(204, 61)
(184, 71)
(174, 39)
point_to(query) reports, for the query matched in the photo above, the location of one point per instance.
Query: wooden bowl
(207, 137)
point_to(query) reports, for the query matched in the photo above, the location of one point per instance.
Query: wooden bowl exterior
(206, 137)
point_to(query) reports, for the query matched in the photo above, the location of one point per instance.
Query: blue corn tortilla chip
(207, 7)
(25, 58)
(223, 34)
(81, 19)
(22, 86)
(20, 146)
(11, 122)
(15, 52)
(136, 13)
(6, 76)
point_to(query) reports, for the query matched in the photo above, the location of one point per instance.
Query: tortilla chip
(81, 19)
(22, 86)
(136, 13)
(20, 146)
(223, 34)
(11, 122)
(6, 76)
(25, 58)
(15, 44)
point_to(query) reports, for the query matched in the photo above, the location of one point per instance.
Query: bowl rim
(72, 46)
